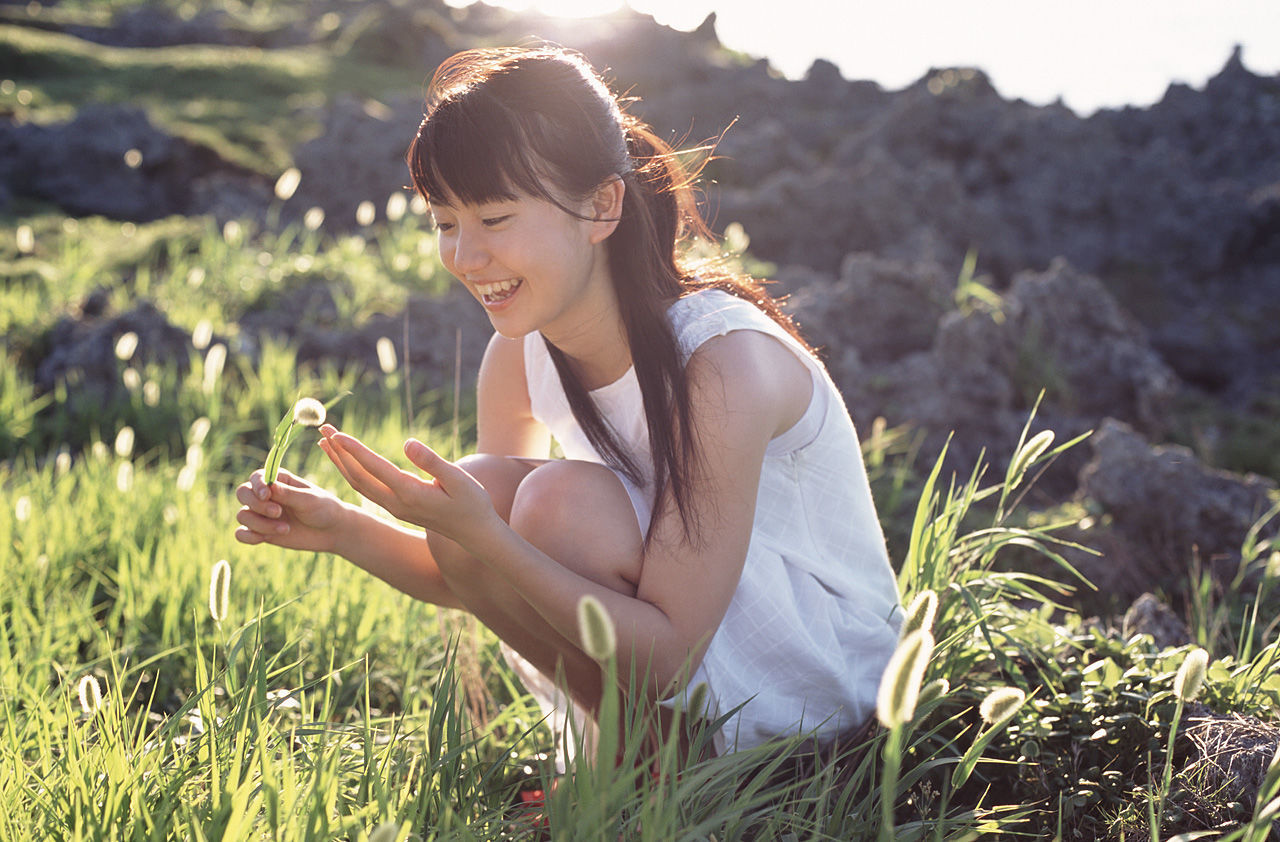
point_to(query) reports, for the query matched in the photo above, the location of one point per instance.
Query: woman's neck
(598, 353)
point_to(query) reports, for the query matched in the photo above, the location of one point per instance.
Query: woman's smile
(497, 293)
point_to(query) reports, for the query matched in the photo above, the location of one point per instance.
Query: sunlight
(555, 8)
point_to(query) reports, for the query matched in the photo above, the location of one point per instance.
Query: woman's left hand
(452, 503)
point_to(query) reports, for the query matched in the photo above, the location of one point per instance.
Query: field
(150, 692)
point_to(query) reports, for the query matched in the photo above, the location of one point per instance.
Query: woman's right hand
(290, 513)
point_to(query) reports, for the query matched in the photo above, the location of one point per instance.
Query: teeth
(488, 290)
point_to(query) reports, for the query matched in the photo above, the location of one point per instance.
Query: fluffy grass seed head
(219, 590)
(26, 237)
(287, 183)
(124, 477)
(935, 689)
(1190, 677)
(385, 832)
(202, 334)
(214, 361)
(126, 345)
(921, 613)
(386, 355)
(124, 442)
(1000, 704)
(90, 693)
(308, 412)
(397, 206)
(900, 685)
(595, 626)
(1029, 453)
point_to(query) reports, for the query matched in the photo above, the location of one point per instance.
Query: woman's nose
(469, 253)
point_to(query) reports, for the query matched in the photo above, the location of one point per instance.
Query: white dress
(816, 614)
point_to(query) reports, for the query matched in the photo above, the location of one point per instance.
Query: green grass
(249, 105)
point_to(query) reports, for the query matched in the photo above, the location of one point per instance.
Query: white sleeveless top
(815, 616)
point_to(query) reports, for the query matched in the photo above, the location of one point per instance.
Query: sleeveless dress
(816, 613)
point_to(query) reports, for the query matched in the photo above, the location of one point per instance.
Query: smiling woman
(712, 499)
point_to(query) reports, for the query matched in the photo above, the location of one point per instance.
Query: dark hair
(541, 122)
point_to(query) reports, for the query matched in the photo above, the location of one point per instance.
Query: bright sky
(1092, 53)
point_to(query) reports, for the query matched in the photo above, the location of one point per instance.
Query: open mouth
(501, 291)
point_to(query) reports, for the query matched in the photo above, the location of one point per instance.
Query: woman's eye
(495, 220)
(443, 227)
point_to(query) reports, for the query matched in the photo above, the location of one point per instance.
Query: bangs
(471, 151)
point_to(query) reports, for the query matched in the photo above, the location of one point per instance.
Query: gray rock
(109, 161)
(1163, 508)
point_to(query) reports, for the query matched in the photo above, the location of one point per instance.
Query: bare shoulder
(751, 371)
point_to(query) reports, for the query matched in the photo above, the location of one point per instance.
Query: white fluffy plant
(306, 412)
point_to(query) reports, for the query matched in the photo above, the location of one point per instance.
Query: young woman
(712, 496)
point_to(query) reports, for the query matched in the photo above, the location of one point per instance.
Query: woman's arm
(745, 389)
(295, 514)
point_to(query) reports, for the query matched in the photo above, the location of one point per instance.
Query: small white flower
(365, 213)
(308, 412)
(22, 510)
(313, 218)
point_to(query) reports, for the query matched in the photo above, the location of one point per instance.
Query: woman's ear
(606, 208)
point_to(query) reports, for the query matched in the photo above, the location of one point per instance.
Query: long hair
(540, 122)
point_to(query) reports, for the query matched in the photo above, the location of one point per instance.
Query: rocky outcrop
(901, 345)
(1158, 507)
(110, 160)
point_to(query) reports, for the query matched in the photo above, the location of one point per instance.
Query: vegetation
(150, 692)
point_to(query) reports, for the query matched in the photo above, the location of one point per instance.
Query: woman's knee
(581, 515)
(500, 476)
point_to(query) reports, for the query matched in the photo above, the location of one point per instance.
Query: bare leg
(579, 514)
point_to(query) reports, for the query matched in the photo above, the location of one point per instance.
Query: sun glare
(555, 8)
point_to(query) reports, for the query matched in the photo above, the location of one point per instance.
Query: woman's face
(528, 262)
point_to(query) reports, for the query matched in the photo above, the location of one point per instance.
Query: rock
(1165, 508)
(109, 161)
(81, 352)
(360, 156)
(978, 371)
(1148, 615)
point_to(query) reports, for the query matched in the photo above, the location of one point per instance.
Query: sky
(1089, 53)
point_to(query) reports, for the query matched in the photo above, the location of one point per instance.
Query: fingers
(255, 497)
(259, 525)
(426, 458)
(364, 470)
